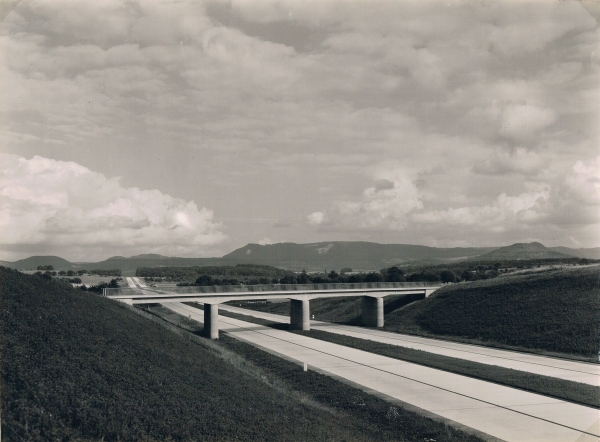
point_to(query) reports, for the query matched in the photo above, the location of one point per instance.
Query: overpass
(372, 294)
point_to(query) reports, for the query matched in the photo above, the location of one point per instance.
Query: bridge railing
(240, 288)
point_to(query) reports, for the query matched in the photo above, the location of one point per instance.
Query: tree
(448, 276)
(394, 274)
(303, 278)
(289, 279)
(373, 277)
(204, 280)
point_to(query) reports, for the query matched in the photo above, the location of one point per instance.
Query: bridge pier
(211, 321)
(372, 311)
(299, 315)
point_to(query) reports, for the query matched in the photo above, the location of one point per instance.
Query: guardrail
(272, 287)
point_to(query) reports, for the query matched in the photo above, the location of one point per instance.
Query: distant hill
(33, 262)
(357, 255)
(129, 265)
(533, 250)
(591, 253)
(333, 255)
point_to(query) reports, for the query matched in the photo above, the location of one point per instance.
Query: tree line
(256, 274)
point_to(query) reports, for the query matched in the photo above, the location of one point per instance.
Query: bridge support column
(211, 321)
(372, 311)
(299, 315)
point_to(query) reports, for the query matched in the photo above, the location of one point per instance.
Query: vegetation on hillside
(215, 275)
(76, 366)
(556, 311)
(261, 274)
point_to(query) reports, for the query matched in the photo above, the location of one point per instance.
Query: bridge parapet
(302, 288)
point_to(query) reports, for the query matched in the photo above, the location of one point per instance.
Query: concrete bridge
(299, 295)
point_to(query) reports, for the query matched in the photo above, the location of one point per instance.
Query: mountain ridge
(319, 256)
(532, 250)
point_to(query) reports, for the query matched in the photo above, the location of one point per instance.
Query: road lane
(587, 373)
(500, 411)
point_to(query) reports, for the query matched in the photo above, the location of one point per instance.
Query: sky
(190, 128)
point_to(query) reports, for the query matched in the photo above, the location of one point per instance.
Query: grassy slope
(555, 311)
(76, 366)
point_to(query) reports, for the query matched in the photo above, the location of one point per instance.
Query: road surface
(587, 373)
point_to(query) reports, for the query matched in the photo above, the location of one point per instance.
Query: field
(76, 366)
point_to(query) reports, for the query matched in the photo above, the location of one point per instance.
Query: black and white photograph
(300, 220)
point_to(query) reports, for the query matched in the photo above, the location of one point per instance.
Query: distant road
(587, 373)
(134, 282)
(502, 412)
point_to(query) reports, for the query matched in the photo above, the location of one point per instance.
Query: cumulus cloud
(521, 161)
(44, 201)
(569, 201)
(316, 218)
(303, 96)
(520, 121)
(549, 207)
(384, 206)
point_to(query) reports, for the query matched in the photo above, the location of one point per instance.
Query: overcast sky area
(190, 129)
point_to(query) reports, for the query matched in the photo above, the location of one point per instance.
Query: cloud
(66, 205)
(282, 224)
(384, 206)
(303, 96)
(521, 161)
(316, 218)
(495, 217)
(521, 121)
(564, 205)
(569, 202)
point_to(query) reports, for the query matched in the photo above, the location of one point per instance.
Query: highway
(135, 283)
(587, 373)
(502, 412)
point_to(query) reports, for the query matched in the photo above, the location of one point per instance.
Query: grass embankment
(555, 311)
(76, 366)
(580, 393)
